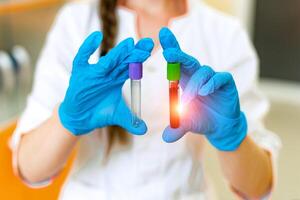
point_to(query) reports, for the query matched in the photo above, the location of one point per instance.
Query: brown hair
(109, 21)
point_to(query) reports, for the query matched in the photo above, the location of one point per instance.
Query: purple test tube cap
(135, 71)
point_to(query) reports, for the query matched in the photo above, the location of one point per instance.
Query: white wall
(243, 9)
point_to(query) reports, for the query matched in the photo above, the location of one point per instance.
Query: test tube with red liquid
(173, 75)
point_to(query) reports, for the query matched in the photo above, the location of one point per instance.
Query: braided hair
(109, 21)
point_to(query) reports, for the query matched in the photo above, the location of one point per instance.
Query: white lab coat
(148, 168)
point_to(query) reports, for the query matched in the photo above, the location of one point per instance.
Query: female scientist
(79, 98)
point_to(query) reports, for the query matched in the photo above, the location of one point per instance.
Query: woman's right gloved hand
(94, 96)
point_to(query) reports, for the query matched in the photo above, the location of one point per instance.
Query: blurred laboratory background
(274, 27)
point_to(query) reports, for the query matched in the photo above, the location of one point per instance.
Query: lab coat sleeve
(50, 82)
(242, 61)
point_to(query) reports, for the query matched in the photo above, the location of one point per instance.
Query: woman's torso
(147, 168)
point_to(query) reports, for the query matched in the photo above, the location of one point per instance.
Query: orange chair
(11, 188)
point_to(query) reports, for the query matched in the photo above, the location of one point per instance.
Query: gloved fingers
(171, 135)
(140, 54)
(189, 63)
(118, 72)
(115, 56)
(123, 118)
(88, 47)
(167, 39)
(198, 79)
(173, 53)
(216, 82)
(145, 44)
(141, 129)
(121, 75)
(137, 55)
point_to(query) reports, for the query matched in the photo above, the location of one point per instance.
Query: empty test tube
(135, 75)
(173, 75)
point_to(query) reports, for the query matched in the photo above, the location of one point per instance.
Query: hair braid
(109, 21)
(109, 24)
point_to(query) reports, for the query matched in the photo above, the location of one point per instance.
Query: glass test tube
(173, 75)
(136, 101)
(174, 102)
(135, 75)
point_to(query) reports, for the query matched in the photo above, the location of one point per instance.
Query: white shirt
(148, 168)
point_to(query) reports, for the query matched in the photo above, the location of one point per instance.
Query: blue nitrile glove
(94, 97)
(210, 100)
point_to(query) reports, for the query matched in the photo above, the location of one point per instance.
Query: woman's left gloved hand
(210, 99)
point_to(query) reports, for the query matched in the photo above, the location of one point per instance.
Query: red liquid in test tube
(174, 103)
